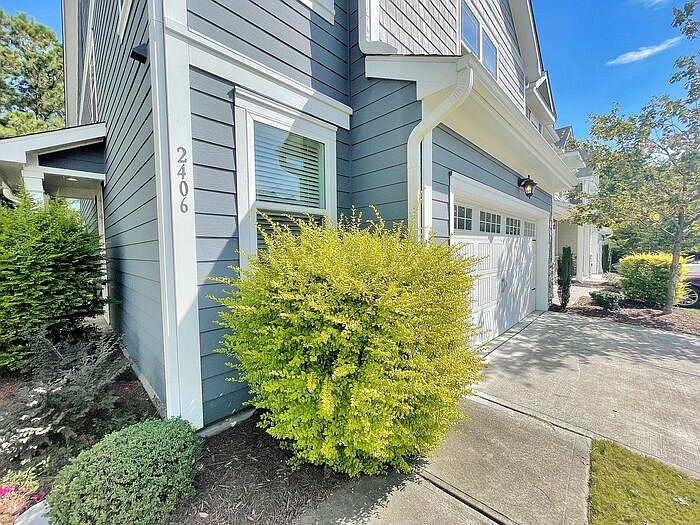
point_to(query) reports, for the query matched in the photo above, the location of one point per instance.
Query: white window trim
(325, 8)
(251, 108)
(124, 11)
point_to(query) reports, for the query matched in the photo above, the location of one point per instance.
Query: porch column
(33, 179)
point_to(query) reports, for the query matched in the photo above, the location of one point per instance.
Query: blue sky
(579, 39)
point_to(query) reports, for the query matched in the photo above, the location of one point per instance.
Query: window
(490, 56)
(289, 168)
(512, 226)
(286, 162)
(530, 230)
(462, 218)
(489, 222)
(470, 30)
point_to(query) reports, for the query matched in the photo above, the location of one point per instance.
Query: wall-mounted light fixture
(140, 53)
(528, 185)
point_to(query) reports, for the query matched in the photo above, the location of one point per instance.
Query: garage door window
(489, 222)
(462, 218)
(512, 226)
(530, 229)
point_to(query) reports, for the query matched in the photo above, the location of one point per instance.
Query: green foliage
(31, 76)
(629, 488)
(354, 340)
(649, 164)
(645, 277)
(607, 299)
(606, 258)
(71, 402)
(134, 476)
(51, 274)
(565, 273)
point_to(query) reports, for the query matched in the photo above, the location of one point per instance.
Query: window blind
(289, 168)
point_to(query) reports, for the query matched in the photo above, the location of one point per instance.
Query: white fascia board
(431, 74)
(325, 8)
(78, 174)
(18, 149)
(229, 64)
(480, 193)
(537, 104)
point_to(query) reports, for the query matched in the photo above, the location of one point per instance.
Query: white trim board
(18, 149)
(231, 65)
(124, 11)
(325, 8)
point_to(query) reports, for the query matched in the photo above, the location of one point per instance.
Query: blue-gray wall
(131, 233)
(452, 152)
(216, 224)
(86, 158)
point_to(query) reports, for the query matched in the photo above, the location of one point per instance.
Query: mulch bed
(245, 478)
(680, 320)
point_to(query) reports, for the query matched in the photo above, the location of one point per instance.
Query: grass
(629, 488)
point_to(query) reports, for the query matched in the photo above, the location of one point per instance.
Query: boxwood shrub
(354, 340)
(645, 277)
(607, 299)
(51, 274)
(134, 476)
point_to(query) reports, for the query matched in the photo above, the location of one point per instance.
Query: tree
(31, 76)
(649, 163)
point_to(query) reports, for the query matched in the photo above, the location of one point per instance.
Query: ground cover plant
(354, 341)
(629, 488)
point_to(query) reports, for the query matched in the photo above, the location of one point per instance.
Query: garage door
(504, 244)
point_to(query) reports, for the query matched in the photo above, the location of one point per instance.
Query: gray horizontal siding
(452, 152)
(216, 225)
(419, 27)
(131, 232)
(284, 35)
(88, 211)
(86, 158)
(384, 113)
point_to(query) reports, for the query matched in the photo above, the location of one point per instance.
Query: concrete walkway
(496, 466)
(554, 382)
(637, 386)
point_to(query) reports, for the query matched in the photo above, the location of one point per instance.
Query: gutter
(417, 187)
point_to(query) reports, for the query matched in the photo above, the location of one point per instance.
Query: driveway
(634, 385)
(553, 383)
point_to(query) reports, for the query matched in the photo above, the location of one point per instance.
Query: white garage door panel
(504, 291)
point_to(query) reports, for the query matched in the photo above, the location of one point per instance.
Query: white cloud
(644, 52)
(652, 3)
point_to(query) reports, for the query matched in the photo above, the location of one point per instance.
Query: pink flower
(6, 489)
(125, 388)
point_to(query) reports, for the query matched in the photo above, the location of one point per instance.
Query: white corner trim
(78, 174)
(170, 95)
(368, 29)
(124, 11)
(325, 8)
(231, 65)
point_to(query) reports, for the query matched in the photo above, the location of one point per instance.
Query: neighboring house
(211, 111)
(586, 241)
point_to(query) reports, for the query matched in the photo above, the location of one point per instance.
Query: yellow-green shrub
(355, 342)
(645, 278)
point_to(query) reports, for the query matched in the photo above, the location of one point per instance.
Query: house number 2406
(183, 187)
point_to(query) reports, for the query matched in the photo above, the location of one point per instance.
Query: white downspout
(462, 89)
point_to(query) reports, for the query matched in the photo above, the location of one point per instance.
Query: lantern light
(528, 185)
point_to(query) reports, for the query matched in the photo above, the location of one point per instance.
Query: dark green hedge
(51, 274)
